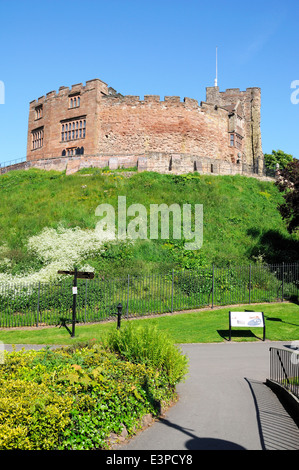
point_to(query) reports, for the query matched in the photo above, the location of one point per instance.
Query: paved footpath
(224, 404)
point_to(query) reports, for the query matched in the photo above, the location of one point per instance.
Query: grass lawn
(202, 326)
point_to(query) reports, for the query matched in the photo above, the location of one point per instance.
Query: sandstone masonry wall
(56, 110)
(251, 104)
(130, 125)
(158, 135)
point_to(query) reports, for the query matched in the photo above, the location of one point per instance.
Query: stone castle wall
(166, 135)
(165, 163)
(56, 109)
(130, 125)
(250, 100)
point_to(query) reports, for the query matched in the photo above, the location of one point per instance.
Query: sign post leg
(74, 303)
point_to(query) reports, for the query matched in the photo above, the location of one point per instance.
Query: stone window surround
(74, 100)
(73, 129)
(37, 136)
(38, 112)
(235, 140)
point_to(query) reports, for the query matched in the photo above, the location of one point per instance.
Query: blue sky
(163, 47)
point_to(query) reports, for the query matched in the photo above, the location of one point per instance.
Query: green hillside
(241, 222)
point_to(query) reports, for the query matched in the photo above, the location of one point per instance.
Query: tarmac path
(224, 404)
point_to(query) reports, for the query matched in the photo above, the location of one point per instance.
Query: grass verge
(202, 326)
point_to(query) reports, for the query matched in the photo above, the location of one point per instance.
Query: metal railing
(12, 162)
(284, 369)
(37, 304)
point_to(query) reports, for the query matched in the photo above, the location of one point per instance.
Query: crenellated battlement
(75, 89)
(117, 99)
(213, 94)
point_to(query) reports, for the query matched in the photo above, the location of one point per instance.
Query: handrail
(12, 162)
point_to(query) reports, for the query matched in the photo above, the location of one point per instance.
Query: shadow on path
(277, 429)
(199, 443)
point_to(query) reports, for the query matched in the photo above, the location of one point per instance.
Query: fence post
(172, 291)
(85, 300)
(74, 303)
(282, 284)
(250, 283)
(128, 295)
(213, 288)
(38, 295)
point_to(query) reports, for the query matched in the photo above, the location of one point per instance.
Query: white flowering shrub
(59, 249)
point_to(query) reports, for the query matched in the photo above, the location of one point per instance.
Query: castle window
(71, 151)
(38, 112)
(73, 129)
(37, 138)
(235, 140)
(74, 101)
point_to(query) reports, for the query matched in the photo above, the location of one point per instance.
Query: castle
(93, 125)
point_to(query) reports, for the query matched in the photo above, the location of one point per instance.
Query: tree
(277, 156)
(288, 183)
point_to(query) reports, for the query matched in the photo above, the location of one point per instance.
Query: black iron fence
(284, 369)
(97, 299)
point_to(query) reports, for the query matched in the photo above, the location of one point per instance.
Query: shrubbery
(145, 345)
(74, 398)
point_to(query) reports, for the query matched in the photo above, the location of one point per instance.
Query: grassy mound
(240, 216)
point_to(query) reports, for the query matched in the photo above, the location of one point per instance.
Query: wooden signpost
(77, 275)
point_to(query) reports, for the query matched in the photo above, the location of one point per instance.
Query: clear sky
(139, 47)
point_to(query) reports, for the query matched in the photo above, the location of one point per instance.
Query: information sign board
(247, 319)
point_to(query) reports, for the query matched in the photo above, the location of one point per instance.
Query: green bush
(32, 417)
(148, 346)
(74, 398)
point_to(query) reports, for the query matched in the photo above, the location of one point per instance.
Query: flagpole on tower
(215, 82)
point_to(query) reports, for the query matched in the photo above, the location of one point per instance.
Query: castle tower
(65, 123)
(244, 109)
